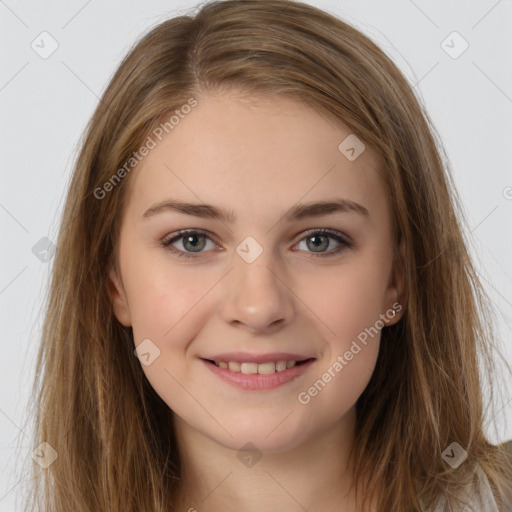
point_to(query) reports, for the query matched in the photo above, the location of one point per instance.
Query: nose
(257, 297)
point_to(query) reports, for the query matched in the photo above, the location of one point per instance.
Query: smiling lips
(261, 368)
(262, 364)
(250, 371)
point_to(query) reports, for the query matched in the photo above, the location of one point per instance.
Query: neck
(315, 475)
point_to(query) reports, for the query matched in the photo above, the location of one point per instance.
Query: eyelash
(167, 242)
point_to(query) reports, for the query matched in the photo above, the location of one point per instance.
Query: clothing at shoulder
(479, 496)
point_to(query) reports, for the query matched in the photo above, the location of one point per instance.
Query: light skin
(259, 158)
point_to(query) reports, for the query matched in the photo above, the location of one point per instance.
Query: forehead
(251, 153)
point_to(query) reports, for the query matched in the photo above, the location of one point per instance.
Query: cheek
(348, 301)
(168, 307)
(349, 307)
(162, 297)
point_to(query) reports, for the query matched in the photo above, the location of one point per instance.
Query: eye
(319, 240)
(193, 242)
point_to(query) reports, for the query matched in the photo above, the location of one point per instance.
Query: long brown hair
(92, 402)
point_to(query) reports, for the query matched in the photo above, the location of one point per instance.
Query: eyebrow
(298, 212)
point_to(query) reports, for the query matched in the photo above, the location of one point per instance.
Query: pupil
(318, 238)
(190, 238)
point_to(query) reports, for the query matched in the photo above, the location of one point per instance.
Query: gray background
(46, 102)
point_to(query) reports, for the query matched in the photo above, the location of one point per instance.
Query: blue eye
(194, 241)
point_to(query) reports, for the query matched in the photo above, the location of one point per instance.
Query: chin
(269, 436)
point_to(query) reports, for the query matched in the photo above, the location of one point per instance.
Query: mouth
(267, 373)
(264, 368)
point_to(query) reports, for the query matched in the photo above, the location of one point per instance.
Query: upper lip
(247, 357)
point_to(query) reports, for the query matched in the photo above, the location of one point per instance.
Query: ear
(397, 288)
(118, 297)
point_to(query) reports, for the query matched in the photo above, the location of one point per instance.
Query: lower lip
(255, 381)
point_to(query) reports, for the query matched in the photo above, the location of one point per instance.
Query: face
(258, 324)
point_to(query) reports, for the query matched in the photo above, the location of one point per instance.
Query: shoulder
(478, 495)
(482, 496)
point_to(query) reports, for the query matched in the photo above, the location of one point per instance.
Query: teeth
(280, 366)
(233, 366)
(266, 368)
(253, 368)
(249, 367)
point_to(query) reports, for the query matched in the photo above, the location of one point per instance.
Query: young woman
(261, 297)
